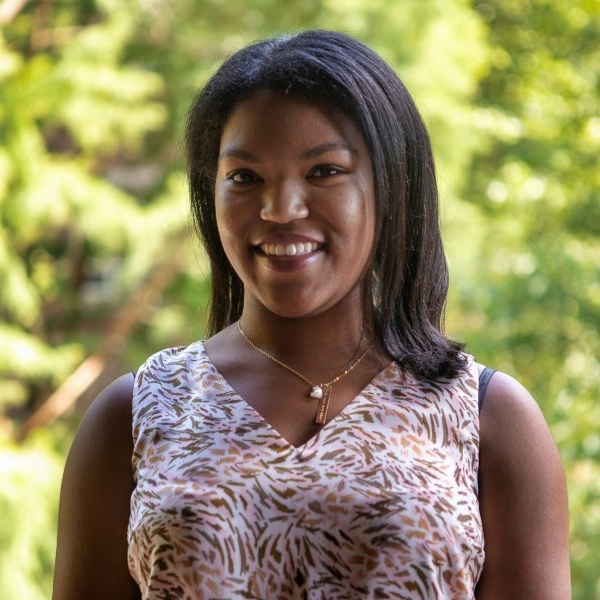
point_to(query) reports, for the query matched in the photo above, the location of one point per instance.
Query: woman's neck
(330, 339)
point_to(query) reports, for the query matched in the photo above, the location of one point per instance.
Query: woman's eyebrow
(327, 147)
(235, 152)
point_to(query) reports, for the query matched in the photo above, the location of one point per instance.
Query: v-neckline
(272, 429)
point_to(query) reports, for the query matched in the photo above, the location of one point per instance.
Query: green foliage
(584, 502)
(29, 505)
(527, 295)
(73, 112)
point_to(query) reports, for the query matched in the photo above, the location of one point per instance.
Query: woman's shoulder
(106, 425)
(510, 418)
(101, 452)
(94, 505)
(175, 356)
(522, 497)
(508, 406)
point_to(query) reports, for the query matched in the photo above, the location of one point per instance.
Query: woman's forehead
(274, 115)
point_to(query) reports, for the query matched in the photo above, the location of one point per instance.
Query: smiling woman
(295, 206)
(326, 440)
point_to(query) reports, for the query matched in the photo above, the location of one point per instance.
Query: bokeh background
(99, 266)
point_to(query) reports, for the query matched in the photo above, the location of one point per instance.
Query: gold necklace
(319, 391)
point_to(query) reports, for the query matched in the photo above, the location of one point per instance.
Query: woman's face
(295, 204)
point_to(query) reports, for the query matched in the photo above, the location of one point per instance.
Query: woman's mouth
(297, 249)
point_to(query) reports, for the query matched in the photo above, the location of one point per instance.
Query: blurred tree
(528, 294)
(82, 218)
(28, 504)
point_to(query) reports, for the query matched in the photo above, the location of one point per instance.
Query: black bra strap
(484, 379)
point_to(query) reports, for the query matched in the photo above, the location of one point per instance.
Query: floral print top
(381, 503)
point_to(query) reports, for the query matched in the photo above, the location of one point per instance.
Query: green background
(99, 267)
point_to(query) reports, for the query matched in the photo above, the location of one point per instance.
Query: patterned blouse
(381, 503)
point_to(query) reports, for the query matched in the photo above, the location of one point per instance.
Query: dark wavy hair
(409, 275)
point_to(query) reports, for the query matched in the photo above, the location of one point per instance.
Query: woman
(325, 441)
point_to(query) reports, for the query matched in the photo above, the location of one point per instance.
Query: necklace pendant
(321, 416)
(316, 392)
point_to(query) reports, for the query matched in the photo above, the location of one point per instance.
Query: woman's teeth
(289, 249)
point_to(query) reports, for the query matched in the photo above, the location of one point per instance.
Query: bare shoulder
(109, 417)
(104, 438)
(508, 411)
(91, 558)
(523, 498)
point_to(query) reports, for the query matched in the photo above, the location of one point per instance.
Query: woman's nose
(283, 203)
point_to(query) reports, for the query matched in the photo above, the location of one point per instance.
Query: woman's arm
(523, 500)
(91, 557)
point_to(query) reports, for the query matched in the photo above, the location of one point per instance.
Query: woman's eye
(242, 176)
(326, 171)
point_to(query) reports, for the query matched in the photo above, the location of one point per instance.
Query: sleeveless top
(381, 503)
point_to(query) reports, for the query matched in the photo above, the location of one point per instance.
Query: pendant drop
(316, 392)
(321, 416)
